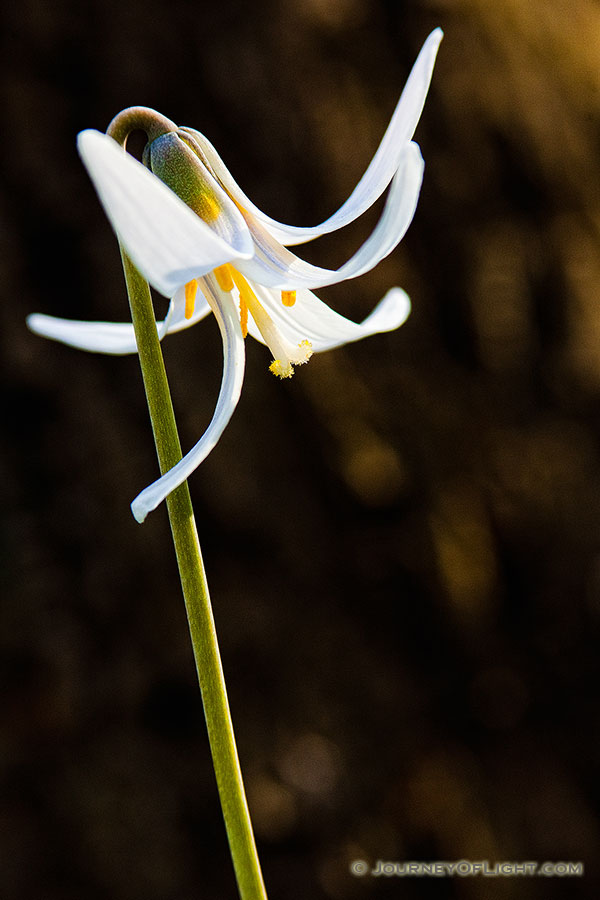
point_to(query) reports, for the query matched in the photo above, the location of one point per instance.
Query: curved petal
(116, 338)
(176, 319)
(311, 319)
(377, 176)
(168, 242)
(275, 266)
(234, 357)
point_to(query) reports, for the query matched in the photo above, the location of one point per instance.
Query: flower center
(285, 354)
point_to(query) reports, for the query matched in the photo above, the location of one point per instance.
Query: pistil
(285, 354)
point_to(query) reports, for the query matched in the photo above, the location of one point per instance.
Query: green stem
(195, 592)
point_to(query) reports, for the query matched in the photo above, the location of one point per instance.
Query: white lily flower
(201, 242)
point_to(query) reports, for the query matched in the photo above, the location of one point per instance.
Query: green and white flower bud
(177, 165)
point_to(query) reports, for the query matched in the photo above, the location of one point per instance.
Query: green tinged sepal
(171, 159)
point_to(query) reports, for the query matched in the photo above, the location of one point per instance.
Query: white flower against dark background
(202, 243)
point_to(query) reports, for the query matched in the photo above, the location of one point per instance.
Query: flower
(201, 242)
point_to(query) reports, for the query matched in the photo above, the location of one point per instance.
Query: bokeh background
(403, 542)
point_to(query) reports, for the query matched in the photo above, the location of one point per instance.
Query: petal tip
(139, 510)
(89, 137)
(34, 322)
(431, 45)
(400, 304)
(391, 312)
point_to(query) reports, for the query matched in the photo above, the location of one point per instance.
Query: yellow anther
(246, 292)
(288, 298)
(223, 274)
(228, 277)
(190, 297)
(244, 316)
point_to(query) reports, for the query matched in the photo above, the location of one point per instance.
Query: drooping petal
(116, 338)
(176, 319)
(234, 356)
(275, 266)
(97, 337)
(378, 175)
(311, 319)
(168, 242)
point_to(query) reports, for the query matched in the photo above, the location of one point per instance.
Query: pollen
(282, 369)
(191, 289)
(299, 355)
(288, 298)
(224, 278)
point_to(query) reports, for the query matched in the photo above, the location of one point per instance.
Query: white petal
(275, 266)
(379, 173)
(227, 317)
(97, 337)
(116, 338)
(311, 319)
(176, 320)
(168, 242)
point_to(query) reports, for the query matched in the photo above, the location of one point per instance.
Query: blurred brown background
(403, 542)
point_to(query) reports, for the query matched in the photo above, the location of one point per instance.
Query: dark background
(403, 542)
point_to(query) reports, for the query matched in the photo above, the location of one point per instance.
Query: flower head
(201, 242)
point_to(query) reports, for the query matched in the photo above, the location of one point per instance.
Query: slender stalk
(195, 592)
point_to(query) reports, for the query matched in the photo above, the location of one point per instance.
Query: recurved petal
(275, 266)
(227, 317)
(378, 175)
(116, 338)
(97, 337)
(311, 319)
(176, 320)
(168, 242)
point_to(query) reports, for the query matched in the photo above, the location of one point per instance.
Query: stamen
(246, 293)
(190, 297)
(244, 316)
(288, 298)
(223, 276)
